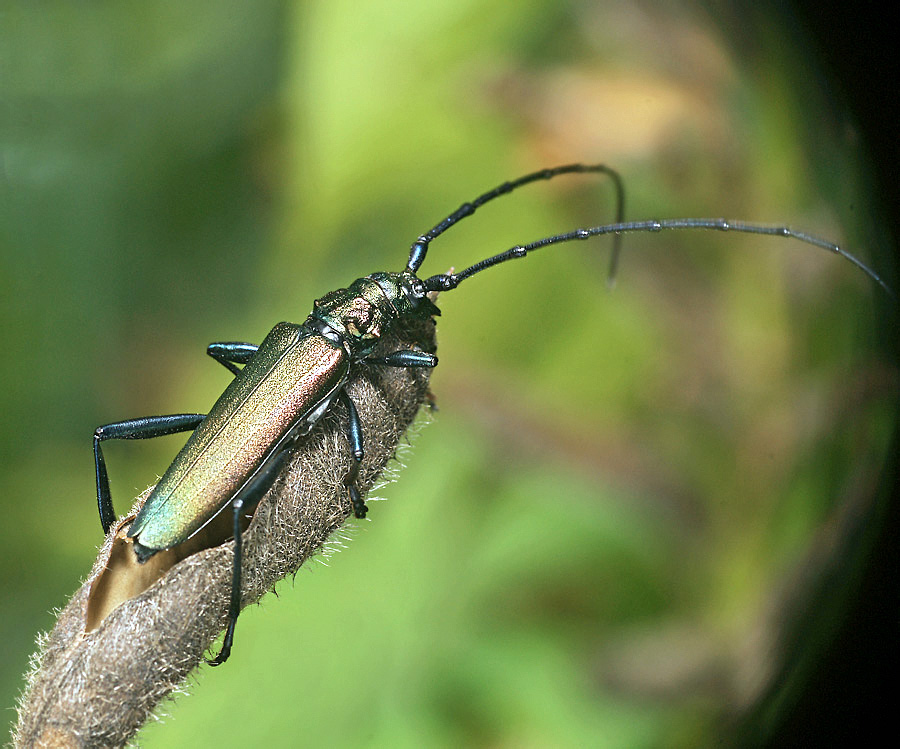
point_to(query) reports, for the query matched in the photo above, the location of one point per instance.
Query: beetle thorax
(365, 311)
(358, 315)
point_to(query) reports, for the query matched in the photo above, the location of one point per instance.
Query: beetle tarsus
(226, 647)
(359, 507)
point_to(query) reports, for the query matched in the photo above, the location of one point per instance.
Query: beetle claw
(359, 507)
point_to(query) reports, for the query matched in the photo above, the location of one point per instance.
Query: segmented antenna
(447, 281)
(419, 248)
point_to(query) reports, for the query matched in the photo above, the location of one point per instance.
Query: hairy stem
(113, 655)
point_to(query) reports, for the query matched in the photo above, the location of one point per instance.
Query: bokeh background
(637, 518)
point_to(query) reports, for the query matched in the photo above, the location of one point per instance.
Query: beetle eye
(417, 289)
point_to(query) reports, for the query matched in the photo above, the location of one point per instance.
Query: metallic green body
(281, 392)
(293, 372)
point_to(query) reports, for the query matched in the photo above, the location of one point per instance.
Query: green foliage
(616, 484)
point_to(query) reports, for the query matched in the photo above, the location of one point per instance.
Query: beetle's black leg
(406, 358)
(355, 437)
(133, 429)
(234, 606)
(246, 499)
(229, 353)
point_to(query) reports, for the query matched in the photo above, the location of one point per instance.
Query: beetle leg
(247, 498)
(355, 437)
(405, 358)
(229, 353)
(234, 606)
(132, 429)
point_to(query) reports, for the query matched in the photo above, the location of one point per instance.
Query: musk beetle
(289, 381)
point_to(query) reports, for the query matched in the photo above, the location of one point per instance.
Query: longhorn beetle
(290, 380)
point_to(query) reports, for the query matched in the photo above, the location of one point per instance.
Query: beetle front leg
(405, 358)
(133, 429)
(355, 437)
(229, 353)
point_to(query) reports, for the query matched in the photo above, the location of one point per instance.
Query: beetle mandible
(289, 381)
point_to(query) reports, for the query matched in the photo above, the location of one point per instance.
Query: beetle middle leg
(132, 429)
(229, 353)
(255, 490)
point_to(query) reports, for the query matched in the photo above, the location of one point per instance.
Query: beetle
(290, 380)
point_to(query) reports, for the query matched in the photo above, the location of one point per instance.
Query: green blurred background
(636, 517)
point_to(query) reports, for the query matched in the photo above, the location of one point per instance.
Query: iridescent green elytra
(291, 379)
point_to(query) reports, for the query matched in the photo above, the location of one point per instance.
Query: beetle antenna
(420, 247)
(447, 281)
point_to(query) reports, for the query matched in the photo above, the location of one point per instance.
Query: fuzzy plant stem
(94, 683)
